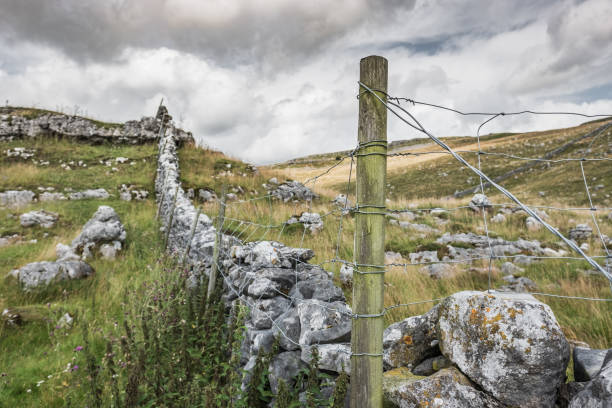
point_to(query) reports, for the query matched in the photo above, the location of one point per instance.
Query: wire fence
(256, 218)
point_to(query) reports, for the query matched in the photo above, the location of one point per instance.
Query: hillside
(34, 353)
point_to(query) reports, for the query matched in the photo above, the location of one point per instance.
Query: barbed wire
(507, 193)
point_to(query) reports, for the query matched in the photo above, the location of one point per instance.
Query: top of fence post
(368, 277)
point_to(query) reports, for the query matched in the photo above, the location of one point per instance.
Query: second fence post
(368, 276)
(212, 279)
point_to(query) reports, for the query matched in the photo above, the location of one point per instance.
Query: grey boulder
(43, 273)
(265, 311)
(16, 198)
(284, 366)
(103, 228)
(39, 218)
(509, 344)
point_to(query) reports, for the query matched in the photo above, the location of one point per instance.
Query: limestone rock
(532, 224)
(288, 328)
(508, 268)
(265, 311)
(284, 366)
(293, 190)
(323, 322)
(519, 284)
(65, 253)
(98, 194)
(509, 344)
(587, 363)
(410, 341)
(103, 228)
(342, 201)
(479, 202)
(39, 218)
(311, 221)
(319, 289)
(581, 232)
(498, 218)
(47, 196)
(332, 357)
(43, 273)
(448, 388)
(432, 365)
(16, 198)
(597, 393)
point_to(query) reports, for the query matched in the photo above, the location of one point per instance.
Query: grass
(36, 350)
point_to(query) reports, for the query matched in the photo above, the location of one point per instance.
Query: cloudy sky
(269, 80)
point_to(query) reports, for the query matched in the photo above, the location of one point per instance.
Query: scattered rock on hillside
(103, 228)
(587, 363)
(393, 257)
(446, 388)
(519, 284)
(43, 273)
(47, 196)
(20, 152)
(293, 190)
(129, 193)
(479, 202)
(439, 271)
(99, 193)
(16, 198)
(311, 221)
(532, 224)
(581, 232)
(39, 218)
(498, 218)
(342, 201)
(509, 344)
(206, 195)
(508, 268)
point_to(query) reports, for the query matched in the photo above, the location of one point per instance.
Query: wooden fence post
(368, 276)
(212, 279)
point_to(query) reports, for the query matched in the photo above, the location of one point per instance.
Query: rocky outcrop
(40, 218)
(292, 190)
(44, 273)
(14, 125)
(310, 221)
(16, 198)
(103, 233)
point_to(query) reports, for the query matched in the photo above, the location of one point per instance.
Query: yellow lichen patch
(528, 350)
(407, 340)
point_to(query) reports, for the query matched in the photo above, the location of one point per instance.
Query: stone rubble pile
(129, 193)
(311, 221)
(291, 191)
(103, 234)
(20, 198)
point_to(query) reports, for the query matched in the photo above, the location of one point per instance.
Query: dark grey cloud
(238, 32)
